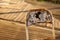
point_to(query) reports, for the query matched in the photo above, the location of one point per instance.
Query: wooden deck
(16, 31)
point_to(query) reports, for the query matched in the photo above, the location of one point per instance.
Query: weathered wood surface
(16, 31)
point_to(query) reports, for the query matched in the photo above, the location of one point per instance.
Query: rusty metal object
(39, 16)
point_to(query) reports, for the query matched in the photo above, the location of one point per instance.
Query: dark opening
(37, 15)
